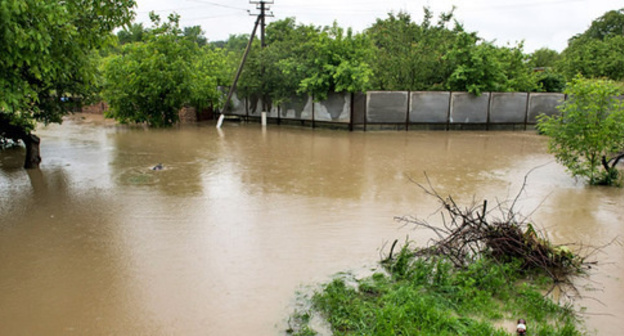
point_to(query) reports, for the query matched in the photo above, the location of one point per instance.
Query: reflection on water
(217, 243)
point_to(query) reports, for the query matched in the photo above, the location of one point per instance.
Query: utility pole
(261, 5)
(263, 8)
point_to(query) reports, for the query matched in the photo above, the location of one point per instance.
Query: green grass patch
(417, 296)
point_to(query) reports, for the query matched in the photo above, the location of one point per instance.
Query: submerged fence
(409, 110)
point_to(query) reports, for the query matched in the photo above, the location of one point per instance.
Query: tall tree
(409, 56)
(47, 49)
(195, 34)
(305, 59)
(544, 58)
(594, 58)
(338, 63)
(609, 24)
(134, 32)
(476, 66)
(599, 51)
(151, 81)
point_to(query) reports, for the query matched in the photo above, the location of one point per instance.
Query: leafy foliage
(134, 32)
(396, 53)
(544, 58)
(409, 56)
(150, 81)
(597, 52)
(479, 66)
(588, 136)
(337, 65)
(609, 24)
(305, 59)
(476, 68)
(595, 58)
(48, 54)
(195, 34)
(550, 81)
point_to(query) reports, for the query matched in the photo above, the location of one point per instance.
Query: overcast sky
(540, 23)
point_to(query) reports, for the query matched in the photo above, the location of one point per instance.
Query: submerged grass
(417, 296)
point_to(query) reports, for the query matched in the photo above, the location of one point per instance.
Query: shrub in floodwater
(588, 136)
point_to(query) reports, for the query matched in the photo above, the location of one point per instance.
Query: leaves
(408, 56)
(589, 133)
(48, 54)
(304, 59)
(151, 81)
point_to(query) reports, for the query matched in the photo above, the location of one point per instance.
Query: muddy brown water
(239, 220)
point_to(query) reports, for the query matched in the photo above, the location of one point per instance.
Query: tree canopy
(48, 59)
(599, 51)
(305, 59)
(410, 56)
(393, 54)
(151, 81)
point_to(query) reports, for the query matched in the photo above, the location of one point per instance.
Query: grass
(417, 296)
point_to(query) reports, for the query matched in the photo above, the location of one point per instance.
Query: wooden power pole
(262, 6)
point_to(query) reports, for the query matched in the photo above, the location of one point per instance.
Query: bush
(588, 136)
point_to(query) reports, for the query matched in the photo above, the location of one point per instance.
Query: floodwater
(239, 220)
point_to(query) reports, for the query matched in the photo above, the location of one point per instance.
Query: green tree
(476, 66)
(337, 65)
(150, 82)
(594, 58)
(544, 62)
(588, 136)
(304, 59)
(597, 52)
(235, 43)
(480, 66)
(609, 24)
(195, 34)
(211, 69)
(549, 81)
(544, 58)
(409, 56)
(134, 32)
(519, 76)
(48, 60)
(274, 72)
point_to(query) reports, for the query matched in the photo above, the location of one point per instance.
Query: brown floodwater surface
(240, 219)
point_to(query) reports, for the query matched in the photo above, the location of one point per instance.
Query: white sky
(540, 23)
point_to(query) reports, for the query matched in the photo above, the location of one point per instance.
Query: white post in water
(264, 118)
(220, 121)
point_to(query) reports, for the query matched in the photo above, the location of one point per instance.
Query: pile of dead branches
(498, 232)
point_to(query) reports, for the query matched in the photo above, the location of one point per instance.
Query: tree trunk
(33, 159)
(31, 141)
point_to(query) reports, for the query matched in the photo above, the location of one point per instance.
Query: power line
(218, 4)
(169, 10)
(209, 17)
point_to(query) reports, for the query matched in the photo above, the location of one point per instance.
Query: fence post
(409, 101)
(448, 112)
(487, 119)
(351, 113)
(526, 112)
(313, 114)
